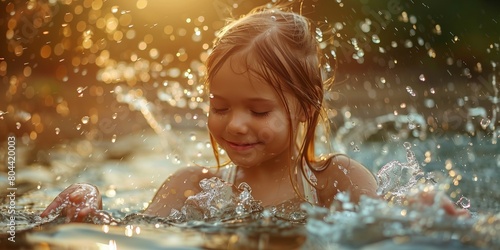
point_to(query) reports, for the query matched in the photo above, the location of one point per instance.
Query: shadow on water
(108, 93)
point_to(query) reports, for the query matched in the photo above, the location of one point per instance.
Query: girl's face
(247, 118)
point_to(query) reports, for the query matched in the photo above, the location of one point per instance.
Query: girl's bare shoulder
(195, 173)
(188, 178)
(343, 174)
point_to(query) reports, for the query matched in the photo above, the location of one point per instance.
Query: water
(107, 93)
(324, 229)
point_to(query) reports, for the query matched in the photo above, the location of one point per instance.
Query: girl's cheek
(266, 135)
(214, 123)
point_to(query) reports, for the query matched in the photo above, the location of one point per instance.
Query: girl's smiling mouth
(241, 146)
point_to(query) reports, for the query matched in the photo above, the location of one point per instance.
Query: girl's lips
(241, 146)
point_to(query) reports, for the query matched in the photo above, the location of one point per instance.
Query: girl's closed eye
(219, 111)
(260, 113)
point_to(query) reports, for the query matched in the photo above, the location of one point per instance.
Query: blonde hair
(285, 53)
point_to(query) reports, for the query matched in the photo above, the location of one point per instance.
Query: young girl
(266, 88)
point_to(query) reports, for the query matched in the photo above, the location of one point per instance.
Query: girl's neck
(270, 184)
(277, 167)
(265, 171)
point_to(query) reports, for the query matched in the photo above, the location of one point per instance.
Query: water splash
(396, 178)
(218, 200)
(354, 129)
(487, 120)
(374, 220)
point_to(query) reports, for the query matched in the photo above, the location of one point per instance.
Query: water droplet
(421, 77)
(410, 91)
(485, 122)
(113, 138)
(432, 53)
(407, 145)
(58, 130)
(463, 202)
(79, 126)
(408, 44)
(375, 38)
(192, 137)
(429, 103)
(80, 90)
(111, 192)
(385, 150)
(18, 125)
(114, 116)
(85, 119)
(177, 160)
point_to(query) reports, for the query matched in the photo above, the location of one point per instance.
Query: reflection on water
(109, 93)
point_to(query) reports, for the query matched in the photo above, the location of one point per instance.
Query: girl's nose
(238, 123)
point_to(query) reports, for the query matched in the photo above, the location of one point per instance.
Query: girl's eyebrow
(253, 99)
(260, 99)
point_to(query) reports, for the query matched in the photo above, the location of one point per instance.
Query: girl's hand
(76, 202)
(431, 197)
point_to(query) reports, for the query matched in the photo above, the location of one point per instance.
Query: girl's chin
(244, 163)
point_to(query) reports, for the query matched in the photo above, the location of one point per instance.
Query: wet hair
(279, 46)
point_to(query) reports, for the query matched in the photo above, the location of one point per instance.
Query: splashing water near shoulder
(373, 220)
